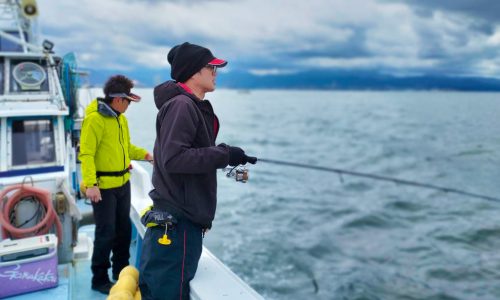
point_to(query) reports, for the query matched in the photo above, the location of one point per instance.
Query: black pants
(166, 270)
(113, 232)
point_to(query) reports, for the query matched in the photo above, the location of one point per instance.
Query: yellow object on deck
(129, 270)
(138, 295)
(127, 286)
(120, 295)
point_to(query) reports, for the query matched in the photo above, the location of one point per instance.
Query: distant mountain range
(324, 80)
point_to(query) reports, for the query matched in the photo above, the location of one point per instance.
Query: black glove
(238, 157)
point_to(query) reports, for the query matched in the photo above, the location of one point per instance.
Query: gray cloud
(485, 10)
(353, 47)
(446, 37)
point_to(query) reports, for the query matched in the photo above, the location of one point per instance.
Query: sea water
(303, 234)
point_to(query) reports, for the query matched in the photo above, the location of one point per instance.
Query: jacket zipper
(121, 143)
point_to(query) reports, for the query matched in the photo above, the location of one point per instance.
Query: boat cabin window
(28, 76)
(8, 45)
(33, 142)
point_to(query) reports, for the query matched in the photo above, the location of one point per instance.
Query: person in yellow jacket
(105, 154)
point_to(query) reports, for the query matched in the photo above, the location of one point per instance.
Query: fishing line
(340, 172)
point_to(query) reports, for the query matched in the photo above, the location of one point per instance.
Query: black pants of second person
(113, 232)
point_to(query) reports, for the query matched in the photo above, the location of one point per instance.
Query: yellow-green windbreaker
(105, 146)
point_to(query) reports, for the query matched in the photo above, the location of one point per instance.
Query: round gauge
(29, 75)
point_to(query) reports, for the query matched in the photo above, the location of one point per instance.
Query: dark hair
(116, 84)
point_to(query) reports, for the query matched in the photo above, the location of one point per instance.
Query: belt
(112, 174)
(152, 218)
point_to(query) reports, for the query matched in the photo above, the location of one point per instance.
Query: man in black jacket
(184, 174)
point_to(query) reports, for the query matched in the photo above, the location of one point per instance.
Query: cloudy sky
(281, 37)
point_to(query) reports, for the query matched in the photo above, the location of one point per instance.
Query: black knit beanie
(187, 59)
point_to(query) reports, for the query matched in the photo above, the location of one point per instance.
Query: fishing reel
(240, 173)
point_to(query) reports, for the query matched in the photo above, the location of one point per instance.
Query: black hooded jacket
(185, 155)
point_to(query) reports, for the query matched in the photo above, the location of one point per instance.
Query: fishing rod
(241, 174)
(380, 178)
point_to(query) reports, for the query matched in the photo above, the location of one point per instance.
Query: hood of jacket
(168, 90)
(98, 105)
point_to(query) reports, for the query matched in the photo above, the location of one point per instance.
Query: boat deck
(213, 279)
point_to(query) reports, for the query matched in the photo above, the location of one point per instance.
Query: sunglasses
(213, 68)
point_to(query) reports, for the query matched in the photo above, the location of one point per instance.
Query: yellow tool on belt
(152, 218)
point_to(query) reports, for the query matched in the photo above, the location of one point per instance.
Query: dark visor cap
(129, 96)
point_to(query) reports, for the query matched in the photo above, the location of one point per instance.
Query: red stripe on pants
(183, 261)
